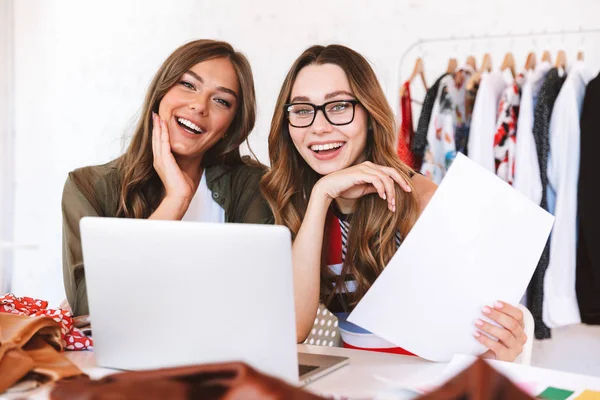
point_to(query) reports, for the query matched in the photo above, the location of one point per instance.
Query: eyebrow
(219, 88)
(327, 96)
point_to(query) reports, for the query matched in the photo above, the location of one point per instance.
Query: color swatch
(589, 395)
(552, 393)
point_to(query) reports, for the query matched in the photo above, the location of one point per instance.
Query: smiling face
(199, 108)
(325, 147)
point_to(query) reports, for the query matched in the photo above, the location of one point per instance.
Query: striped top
(352, 335)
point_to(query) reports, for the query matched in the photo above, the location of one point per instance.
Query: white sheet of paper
(477, 241)
(525, 376)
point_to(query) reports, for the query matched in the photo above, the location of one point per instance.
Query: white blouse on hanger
(560, 301)
(527, 167)
(483, 122)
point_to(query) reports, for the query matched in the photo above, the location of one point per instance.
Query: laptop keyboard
(305, 369)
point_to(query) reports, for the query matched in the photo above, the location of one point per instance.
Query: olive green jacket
(236, 189)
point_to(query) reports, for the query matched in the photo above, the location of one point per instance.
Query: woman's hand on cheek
(177, 184)
(363, 179)
(510, 334)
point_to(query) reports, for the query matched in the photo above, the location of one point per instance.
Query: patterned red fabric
(505, 139)
(406, 128)
(72, 338)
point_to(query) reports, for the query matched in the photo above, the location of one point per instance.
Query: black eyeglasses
(337, 112)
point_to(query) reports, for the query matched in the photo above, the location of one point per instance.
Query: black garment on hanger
(419, 142)
(587, 281)
(541, 132)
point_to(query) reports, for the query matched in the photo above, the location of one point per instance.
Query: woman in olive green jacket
(183, 161)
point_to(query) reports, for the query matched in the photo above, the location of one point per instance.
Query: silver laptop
(171, 293)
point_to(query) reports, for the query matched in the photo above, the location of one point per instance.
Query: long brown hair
(288, 185)
(141, 187)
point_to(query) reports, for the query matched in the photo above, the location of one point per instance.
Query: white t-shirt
(203, 207)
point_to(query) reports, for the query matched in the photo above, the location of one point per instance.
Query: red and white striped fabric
(72, 338)
(353, 336)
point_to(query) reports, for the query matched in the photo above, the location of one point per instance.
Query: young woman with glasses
(338, 185)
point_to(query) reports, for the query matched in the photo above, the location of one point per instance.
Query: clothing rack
(531, 34)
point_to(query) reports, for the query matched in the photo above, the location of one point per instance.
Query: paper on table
(533, 380)
(478, 241)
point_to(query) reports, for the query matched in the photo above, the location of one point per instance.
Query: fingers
(393, 173)
(510, 334)
(504, 335)
(388, 184)
(373, 180)
(510, 310)
(507, 321)
(155, 135)
(164, 137)
(389, 177)
(500, 351)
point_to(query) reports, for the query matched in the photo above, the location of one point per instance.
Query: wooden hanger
(561, 59)
(530, 62)
(509, 62)
(472, 62)
(486, 66)
(452, 65)
(580, 56)
(486, 63)
(546, 56)
(419, 71)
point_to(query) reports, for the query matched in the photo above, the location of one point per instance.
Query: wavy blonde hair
(289, 183)
(141, 187)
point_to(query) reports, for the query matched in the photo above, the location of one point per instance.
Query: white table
(355, 380)
(359, 379)
(364, 377)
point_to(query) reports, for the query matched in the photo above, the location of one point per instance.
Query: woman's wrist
(172, 208)
(320, 195)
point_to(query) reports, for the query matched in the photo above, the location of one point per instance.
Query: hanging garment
(505, 138)
(560, 300)
(464, 109)
(447, 119)
(588, 201)
(407, 132)
(440, 150)
(527, 168)
(419, 142)
(541, 122)
(470, 97)
(483, 123)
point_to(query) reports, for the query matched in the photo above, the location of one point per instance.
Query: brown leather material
(31, 345)
(227, 381)
(478, 382)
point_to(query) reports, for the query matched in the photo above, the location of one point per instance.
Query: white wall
(6, 142)
(82, 68)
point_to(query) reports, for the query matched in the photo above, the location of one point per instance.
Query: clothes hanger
(486, 66)
(509, 62)
(561, 59)
(531, 62)
(546, 56)
(419, 71)
(486, 63)
(580, 55)
(472, 62)
(452, 65)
